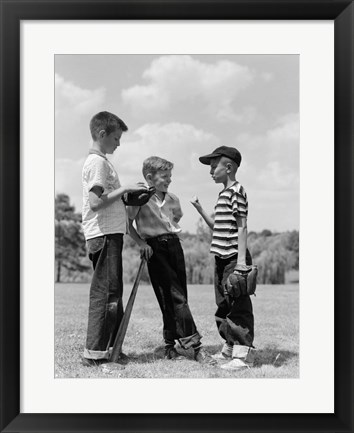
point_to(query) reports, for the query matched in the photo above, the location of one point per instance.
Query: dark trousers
(235, 321)
(167, 272)
(106, 306)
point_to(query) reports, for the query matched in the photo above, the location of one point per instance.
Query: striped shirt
(157, 217)
(232, 202)
(98, 171)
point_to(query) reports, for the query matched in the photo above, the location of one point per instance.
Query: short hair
(106, 121)
(225, 160)
(154, 163)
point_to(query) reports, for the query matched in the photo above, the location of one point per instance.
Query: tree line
(274, 253)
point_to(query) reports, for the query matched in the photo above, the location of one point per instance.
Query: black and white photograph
(177, 216)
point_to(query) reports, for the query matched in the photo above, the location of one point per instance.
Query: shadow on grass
(271, 355)
(268, 355)
(158, 353)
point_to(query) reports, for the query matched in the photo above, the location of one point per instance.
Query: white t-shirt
(98, 171)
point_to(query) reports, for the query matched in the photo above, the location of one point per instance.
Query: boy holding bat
(156, 234)
(104, 225)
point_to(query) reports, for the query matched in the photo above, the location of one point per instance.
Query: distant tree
(266, 233)
(204, 232)
(272, 266)
(274, 254)
(131, 262)
(199, 261)
(293, 246)
(69, 238)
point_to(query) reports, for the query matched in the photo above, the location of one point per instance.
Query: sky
(180, 107)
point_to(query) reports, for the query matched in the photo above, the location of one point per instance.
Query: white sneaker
(224, 354)
(244, 353)
(235, 364)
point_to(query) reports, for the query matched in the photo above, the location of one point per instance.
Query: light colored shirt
(98, 171)
(232, 202)
(157, 217)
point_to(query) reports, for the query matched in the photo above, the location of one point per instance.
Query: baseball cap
(229, 152)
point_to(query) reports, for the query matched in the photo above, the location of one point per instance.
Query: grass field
(276, 310)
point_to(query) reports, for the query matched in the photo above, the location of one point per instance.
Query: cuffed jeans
(167, 272)
(106, 306)
(235, 321)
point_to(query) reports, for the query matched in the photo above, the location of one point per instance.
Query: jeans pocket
(94, 245)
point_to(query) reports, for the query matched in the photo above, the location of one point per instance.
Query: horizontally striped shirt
(232, 202)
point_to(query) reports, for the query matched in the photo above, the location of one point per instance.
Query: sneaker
(171, 353)
(244, 353)
(225, 353)
(123, 358)
(203, 357)
(88, 362)
(236, 364)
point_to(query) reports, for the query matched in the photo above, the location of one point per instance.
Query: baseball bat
(118, 342)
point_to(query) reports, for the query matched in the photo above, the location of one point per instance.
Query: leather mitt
(138, 198)
(242, 283)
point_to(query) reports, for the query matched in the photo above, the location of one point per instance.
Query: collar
(228, 187)
(160, 202)
(97, 152)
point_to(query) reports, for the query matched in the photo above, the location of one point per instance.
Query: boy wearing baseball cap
(234, 316)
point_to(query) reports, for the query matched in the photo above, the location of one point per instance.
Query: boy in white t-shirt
(104, 223)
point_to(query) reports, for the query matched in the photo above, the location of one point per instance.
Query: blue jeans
(235, 321)
(167, 272)
(106, 305)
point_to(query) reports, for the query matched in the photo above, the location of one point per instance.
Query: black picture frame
(12, 12)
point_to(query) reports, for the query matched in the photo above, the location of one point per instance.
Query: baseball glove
(138, 198)
(242, 282)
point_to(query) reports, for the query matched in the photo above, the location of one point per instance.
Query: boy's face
(218, 170)
(160, 180)
(110, 142)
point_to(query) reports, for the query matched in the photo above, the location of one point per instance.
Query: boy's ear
(148, 177)
(102, 133)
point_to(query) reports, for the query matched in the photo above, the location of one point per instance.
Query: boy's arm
(242, 242)
(98, 200)
(177, 211)
(145, 249)
(207, 218)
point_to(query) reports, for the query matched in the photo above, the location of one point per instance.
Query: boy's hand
(195, 202)
(241, 268)
(145, 251)
(135, 187)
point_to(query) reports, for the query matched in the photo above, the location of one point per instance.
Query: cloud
(74, 100)
(171, 80)
(180, 143)
(68, 179)
(278, 177)
(267, 76)
(177, 142)
(228, 114)
(270, 170)
(279, 143)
